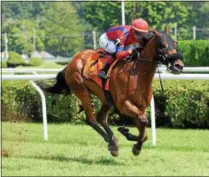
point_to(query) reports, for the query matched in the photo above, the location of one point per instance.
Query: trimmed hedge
(3, 64)
(15, 59)
(181, 106)
(196, 52)
(20, 102)
(35, 61)
(184, 103)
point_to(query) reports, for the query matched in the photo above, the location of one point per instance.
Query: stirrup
(102, 75)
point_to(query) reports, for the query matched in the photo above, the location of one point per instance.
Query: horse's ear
(166, 29)
(155, 32)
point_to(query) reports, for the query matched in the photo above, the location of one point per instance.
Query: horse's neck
(144, 69)
(149, 51)
(148, 63)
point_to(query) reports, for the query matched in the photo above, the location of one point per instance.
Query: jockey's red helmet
(140, 25)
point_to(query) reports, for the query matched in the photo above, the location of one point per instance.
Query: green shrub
(62, 63)
(20, 101)
(64, 108)
(35, 61)
(4, 64)
(181, 106)
(15, 59)
(196, 52)
(188, 109)
(184, 105)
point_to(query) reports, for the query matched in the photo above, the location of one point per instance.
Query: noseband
(164, 52)
(175, 56)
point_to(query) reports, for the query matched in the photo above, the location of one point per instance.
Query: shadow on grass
(62, 158)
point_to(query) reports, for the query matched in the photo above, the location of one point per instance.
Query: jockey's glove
(135, 51)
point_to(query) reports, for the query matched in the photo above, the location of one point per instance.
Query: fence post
(153, 125)
(175, 32)
(194, 32)
(6, 47)
(94, 39)
(34, 39)
(44, 112)
(123, 12)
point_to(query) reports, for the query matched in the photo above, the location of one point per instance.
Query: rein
(161, 83)
(151, 60)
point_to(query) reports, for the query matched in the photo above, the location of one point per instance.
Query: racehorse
(129, 84)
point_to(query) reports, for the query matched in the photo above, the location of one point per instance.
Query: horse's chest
(139, 89)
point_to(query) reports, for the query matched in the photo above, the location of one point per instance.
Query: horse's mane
(150, 40)
(155, 32)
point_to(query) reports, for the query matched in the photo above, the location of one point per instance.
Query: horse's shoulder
(123, 66)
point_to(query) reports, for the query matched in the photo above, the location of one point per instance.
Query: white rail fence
(164, 76)
(29, 70)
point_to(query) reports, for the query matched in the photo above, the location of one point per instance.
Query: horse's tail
(59, 87)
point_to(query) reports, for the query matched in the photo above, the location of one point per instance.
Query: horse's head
(168, 54)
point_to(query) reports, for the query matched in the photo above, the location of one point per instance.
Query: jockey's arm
(120, 55)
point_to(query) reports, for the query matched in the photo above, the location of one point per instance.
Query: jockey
(119, 41)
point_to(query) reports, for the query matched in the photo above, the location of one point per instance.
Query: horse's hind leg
(102, 117)
(85, 98)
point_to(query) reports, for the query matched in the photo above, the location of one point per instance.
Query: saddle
(94, 64)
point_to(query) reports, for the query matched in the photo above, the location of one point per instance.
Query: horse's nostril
(180, 67)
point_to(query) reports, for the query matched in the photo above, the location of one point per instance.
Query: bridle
(163, 53)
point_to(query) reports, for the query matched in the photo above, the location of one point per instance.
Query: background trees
(63, 28)
(57, 27)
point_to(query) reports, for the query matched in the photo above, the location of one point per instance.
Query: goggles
(138, 33)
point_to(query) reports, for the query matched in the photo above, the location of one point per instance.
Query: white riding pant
(109, 46)
(106, 44)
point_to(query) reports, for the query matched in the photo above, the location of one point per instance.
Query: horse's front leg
(125, 132)
(141, 125)
(141, 121)
(102, 118)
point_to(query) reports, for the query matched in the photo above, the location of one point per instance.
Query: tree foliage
(101, 15)
(63, 28)
(20, 35)
(58, 28)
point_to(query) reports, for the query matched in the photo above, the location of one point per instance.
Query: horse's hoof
(114, 153)
(135, 151)
(113, 147)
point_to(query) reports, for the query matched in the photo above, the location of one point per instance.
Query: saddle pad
(94, 64)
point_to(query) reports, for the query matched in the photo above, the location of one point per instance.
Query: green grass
(74, 150)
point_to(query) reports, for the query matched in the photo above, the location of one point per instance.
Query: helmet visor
(139, 33)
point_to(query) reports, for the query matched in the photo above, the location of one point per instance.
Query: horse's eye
(163, 44)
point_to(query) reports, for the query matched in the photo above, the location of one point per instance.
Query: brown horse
(130, 87)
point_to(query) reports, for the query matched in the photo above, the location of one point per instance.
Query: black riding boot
(103, 72)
